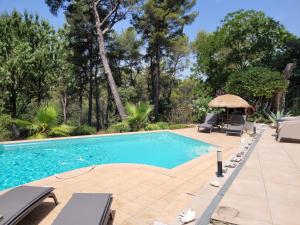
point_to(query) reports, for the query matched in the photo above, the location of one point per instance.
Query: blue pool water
(24, 162)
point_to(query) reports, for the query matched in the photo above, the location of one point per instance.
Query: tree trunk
(39, 97)
(64, 104)
(155, 70)
(286, 74)
(13, 103)
(99, 117)
(80, 101)
(90, 101)
(104, 59)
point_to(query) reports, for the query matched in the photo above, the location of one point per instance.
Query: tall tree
(115, 10)
(161, 24)
(66, 87)
(245, 38)
(83, 42)
(28, 56)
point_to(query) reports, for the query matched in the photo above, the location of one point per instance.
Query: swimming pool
(28, 161)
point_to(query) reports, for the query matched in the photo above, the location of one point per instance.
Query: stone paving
(267, 189)
(142, 194)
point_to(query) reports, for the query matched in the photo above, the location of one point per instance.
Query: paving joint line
(206, 216)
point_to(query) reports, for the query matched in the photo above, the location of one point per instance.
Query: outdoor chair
(211, 120)
(20, 201)
(236, 124)
(86, 209)
(289, 130)
(286, 118)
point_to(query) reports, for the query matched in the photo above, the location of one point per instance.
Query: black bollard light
(219, 161)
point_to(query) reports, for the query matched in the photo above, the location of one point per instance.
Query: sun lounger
(20, 201)
(211, 120)
(236, 124)
(86, 209)
(287, 118)
(289, 130)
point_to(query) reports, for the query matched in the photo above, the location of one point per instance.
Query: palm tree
(45, 119)
(138, 115)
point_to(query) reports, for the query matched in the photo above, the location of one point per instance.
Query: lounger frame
(31, 207)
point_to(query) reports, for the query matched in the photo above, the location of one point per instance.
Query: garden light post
(219, 163)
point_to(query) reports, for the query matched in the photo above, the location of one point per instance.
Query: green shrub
(47, 115)
(138, 115)
(119, 127)
(178, 126)
(5, 132)
(259, 118)
(273, 117)
(152, 126)
(61, 131)
(83, 130)
(163, 125)
(37, 136)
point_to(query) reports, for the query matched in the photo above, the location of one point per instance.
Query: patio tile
(133, 221)
(284, 194)
(120, 217)
(246, 207)
(284, 214)
(278, 177)
(250, 174)
(274, 157)
(249, 188)
(132, 208)
(279, 166)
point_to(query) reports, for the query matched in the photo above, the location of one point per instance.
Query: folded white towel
(215, 183)
(188, 216)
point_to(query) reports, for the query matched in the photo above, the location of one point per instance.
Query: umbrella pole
(227, 117)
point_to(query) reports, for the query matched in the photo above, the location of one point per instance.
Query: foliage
(245, 38)
(28, 61)
(119, 127)
(165, 126)
(273, 117)
(161, 24)
(83, 130)
(200, 106)
(138, 115)
(40, 66)
(255, 82)
(295, 109)
(189, 100)
(5, 127)
(158, 126)
(152, 126)
(259, 118)
(62, 130)
(178, 126)
(47, 115)
(37, 136)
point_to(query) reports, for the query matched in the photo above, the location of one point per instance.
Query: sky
(211, 12)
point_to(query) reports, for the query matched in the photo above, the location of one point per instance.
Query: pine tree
(161, 24)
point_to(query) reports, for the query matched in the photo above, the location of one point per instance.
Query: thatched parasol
(228, 101)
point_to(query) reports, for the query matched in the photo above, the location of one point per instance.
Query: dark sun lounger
(20, 201)
(86, 209)
(211, 120)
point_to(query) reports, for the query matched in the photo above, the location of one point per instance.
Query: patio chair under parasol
(228, 101)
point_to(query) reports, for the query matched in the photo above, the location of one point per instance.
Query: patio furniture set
(234, 125)
(82, 208)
